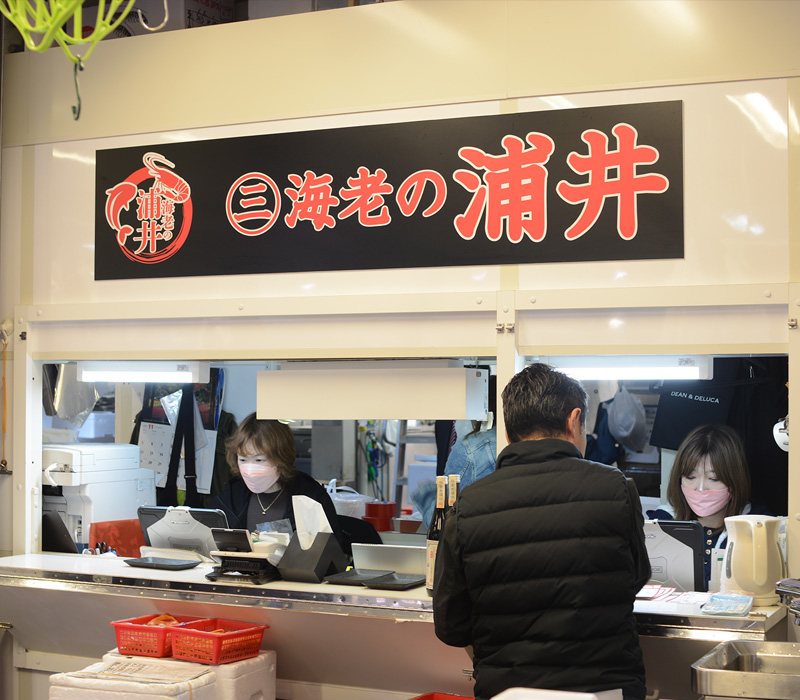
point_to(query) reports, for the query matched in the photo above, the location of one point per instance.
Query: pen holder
(312, 565)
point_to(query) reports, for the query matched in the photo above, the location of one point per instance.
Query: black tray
(355, 577)
(161, 563)
(395, 582)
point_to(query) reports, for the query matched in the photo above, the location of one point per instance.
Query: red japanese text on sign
(366, 192)
(312, 200)
(513, 190)
(600, 165)
(253, 204)
(409, 194)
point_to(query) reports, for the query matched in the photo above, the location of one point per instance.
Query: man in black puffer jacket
(540, 562)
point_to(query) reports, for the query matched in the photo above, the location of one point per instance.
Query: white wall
(239, 394)
(405, 60)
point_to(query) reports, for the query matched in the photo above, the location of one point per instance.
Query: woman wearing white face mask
(261, 456)
(709, 482)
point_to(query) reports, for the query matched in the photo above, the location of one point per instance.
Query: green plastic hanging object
(42, 22)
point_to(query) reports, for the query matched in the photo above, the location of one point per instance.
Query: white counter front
(332, 642)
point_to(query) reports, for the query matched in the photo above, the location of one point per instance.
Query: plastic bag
(273, 538)
(348, 501)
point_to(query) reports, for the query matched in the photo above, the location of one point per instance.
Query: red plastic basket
(136, 638)
(240, 640)
(441, 696)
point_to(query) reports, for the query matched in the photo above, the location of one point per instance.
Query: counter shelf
(754, 626)
(114, 577)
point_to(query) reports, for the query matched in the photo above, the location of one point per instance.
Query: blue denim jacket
(471, 458)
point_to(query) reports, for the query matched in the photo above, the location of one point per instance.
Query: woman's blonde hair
(724, 448)
(267, 437)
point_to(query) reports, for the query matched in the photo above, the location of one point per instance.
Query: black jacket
(235, 498)
(538, 569)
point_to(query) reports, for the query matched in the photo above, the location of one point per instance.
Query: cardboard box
(407, 525)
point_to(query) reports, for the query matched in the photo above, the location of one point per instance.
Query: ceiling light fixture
(584, 367)
(152, 371)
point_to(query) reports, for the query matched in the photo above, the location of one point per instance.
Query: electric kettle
(753, 561)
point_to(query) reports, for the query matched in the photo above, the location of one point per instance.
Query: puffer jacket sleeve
(638, 548)
(452, 606)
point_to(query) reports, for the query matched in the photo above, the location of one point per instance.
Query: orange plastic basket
(240, 640)
(136, 638)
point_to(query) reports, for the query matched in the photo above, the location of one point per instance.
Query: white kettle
(753, 561)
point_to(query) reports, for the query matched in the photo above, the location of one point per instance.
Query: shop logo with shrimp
(146, 232)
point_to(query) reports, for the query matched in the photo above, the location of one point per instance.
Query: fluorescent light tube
(584, 367)
(155, 371)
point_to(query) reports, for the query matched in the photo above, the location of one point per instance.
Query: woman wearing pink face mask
(261, 456)
(709, 482)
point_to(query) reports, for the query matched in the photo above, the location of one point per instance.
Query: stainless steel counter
(673, 640)
(757, 625)
(111, 576)
(349, 632)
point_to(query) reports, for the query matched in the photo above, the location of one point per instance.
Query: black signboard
(583, 184)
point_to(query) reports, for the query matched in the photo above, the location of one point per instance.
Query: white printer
(99, 481)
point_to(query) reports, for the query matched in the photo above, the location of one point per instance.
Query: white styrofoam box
(167, 661)
(248, 679)
(74, 686)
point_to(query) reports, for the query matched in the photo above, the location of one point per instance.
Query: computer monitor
(180, 527)
(675, 549)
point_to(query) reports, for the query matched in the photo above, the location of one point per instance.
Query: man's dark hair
(539, 400)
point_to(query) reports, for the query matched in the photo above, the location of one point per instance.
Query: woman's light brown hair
(267, 437)
(723, 446)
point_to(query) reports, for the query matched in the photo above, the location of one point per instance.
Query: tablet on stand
(238, 561)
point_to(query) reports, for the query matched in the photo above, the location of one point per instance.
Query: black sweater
(235, 499)
(538, 569)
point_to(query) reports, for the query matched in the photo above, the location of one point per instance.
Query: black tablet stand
(244, 569)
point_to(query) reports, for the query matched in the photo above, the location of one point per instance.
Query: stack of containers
(138, 637)
(380, 514)
(217, 641)
(249, 678)
(90, 684)
(197, 659)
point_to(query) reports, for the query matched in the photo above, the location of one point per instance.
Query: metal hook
(76, 110)
(160, 26)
